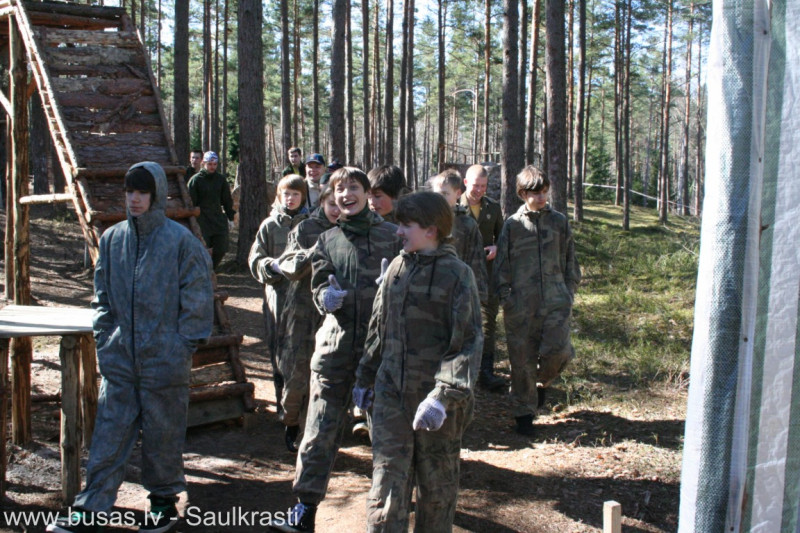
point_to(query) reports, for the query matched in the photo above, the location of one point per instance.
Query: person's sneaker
(163, 515)
(301, 518)
(491, 382)
(290, 438)
(76, 521)
(525, 425)
(361, 430)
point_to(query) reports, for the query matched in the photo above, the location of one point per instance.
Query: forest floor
(608, 439)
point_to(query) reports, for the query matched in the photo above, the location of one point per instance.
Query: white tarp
(741, 462)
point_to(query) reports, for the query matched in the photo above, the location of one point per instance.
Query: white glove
(333, 298)
(363, 397)
(276, 267)
(430, 415)
(384, 268)
(230, 224)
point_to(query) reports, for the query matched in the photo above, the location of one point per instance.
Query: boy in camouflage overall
(421, 360)
(536, 274)
(301, 319)
(287, 211)
(345, 264)
(467, 238)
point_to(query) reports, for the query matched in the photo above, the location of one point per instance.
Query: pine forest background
(607, 96)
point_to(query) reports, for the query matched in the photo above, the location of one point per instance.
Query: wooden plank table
(74, 326)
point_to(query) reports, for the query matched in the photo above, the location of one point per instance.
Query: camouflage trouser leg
(555, 350)
(489, 319)
(327, 412)
(219, 247)
(295, 367)
(523, 333)
(400, 455)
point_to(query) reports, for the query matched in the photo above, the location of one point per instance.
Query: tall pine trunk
(252, 161)
(664, 172)
(388, 144)
(579, 125)
(533, 73)
(286, 97)
(336, 125)
(556, 106)
(180, 97)
(512, 155)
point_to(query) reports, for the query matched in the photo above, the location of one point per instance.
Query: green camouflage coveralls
(490, 222)
(536, 275)
(469, 247)
(300, 319)
(355, 260)
(425, 340)
(269, 244)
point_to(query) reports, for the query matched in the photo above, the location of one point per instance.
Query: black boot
(301, 518)
(487, 378)
(290, 436)
(525, 425)
(541, 392)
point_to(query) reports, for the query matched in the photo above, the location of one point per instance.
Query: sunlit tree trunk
(512, 156)
(533, 73)
(556, 106)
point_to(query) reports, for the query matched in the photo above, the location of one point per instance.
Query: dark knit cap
(140, 179)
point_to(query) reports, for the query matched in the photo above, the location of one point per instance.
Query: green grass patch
(633, 314)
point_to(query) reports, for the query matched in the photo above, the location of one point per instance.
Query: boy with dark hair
(295, 166)
(153, 303)
(346, 262)
(422, 381)
(536, 275)
(195, 165)
(386, 183)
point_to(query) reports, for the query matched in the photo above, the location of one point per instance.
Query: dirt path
(612, 444)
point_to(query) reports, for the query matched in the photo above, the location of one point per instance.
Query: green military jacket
(212, 194)
(490, 220)
(425, 337)
(536, 263)
(355, 260)
(469, 247)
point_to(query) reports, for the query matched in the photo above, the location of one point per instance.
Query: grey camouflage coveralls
(300, 318)
(425, 340)
(153, 304)
(269, 244)
(536, 274)
(355, 260)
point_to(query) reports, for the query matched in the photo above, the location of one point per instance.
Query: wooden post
(88, 387)
(612, 517)
(3, 411)
(21, 349)
(70, 417)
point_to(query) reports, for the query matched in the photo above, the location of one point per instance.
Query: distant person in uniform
(315, 166)
(211, 193)
(487, 212)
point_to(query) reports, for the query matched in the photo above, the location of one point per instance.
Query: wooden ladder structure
(104, 114)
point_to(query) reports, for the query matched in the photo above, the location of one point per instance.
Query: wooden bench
(78, 381)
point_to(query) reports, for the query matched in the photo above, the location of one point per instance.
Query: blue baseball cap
(316, 158)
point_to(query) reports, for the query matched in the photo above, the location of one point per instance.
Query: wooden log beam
(55, 37)
(39, 199)
(21, 348)
(211, 374)
(117, 172)
(69, 354)
(177, 213)
(69, 21)
(216, 392)
(3, 411)
(61, 8)
(94, 84)
(95, 55)
(89, 375)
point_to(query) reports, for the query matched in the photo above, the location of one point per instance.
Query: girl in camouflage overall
(420, 365)
(270, 242)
